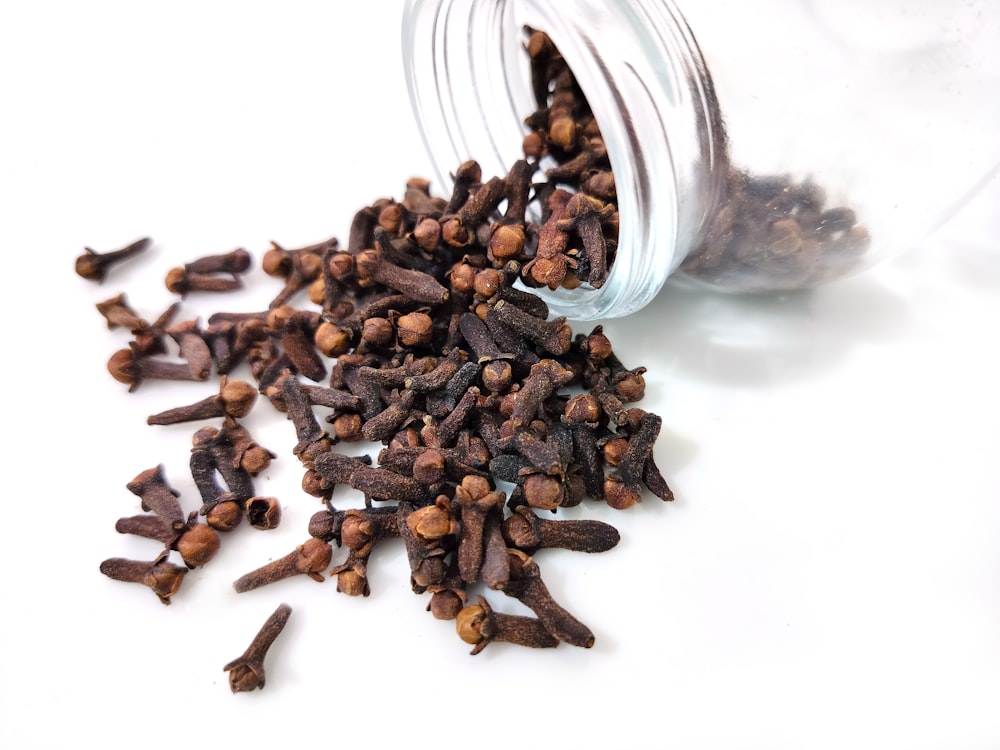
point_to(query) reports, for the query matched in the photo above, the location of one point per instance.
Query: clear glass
(865, 123)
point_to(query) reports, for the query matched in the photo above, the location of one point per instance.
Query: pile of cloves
(464, 379)
(417, 336)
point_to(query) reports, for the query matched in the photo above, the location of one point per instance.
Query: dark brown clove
(234, 399)
(223, 511)
(553, 336)
(162, 577)
(234, 262)
(197, 543)
(183, 281)
(310, 558)
(360, 530)
(248, 455)
(468, 175)
(585, 215)
(416, 285)
(382, 484)
(476, 499)
(479, 625)
(94, 266)
(157, 496)
(622, 487)
(428, 533)
(299, 267)
(247, 671)
(312, 439)
(527, 532)
(390, 420)
(131, 368)
(296, 330)
(263, 512)
(117, 313)
(193, 348)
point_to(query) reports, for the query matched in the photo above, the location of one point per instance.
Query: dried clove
(162, 577)
(263, 512)
(310, 558)
(479, 625)
(476, 500)
(527, 532)
(131, 367)
(117, 313)
(183, 281)
(94, 266)
(461, 375)
(157, 496)
(247, 671)
(526, 585)
(234, 399)
(234, 262)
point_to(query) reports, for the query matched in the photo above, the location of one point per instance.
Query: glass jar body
(749, 154)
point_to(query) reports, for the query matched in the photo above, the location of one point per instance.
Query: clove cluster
(421, 335)
(491, 414)
(223, 462)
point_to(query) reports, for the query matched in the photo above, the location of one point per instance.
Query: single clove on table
(422, 334)
(247, 671)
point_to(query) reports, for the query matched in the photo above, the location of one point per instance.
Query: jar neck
(644, 78)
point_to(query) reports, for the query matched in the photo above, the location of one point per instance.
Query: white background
(828, 577)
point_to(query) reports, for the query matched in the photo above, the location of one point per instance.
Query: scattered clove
(310, 558)
(247, 672)
(94, 266)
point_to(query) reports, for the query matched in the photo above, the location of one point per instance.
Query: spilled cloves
(418, 340)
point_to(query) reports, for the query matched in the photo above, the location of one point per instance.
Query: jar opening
(470, 86)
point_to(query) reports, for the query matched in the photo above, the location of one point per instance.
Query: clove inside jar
(754, 148)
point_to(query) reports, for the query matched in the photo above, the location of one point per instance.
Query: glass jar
(753, 148)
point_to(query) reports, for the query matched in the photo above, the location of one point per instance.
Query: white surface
(828, 577)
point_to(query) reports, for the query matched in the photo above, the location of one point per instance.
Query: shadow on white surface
(756, 341)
